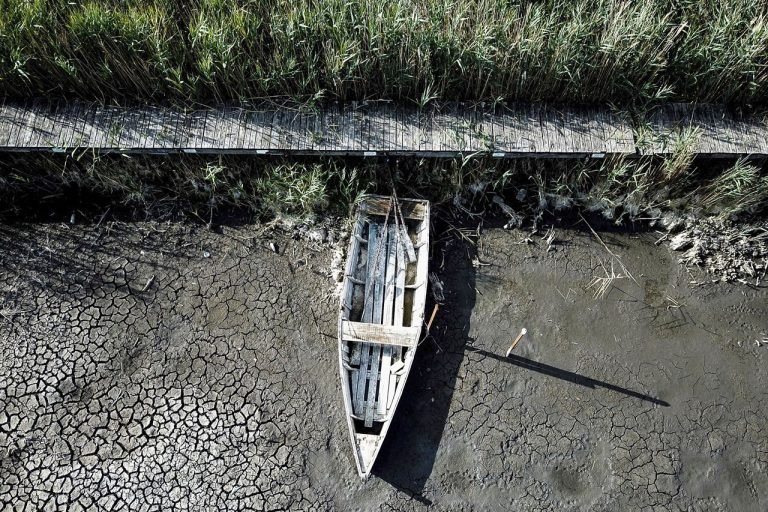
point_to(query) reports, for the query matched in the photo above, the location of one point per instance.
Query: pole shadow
(408, 455)
(559, 373)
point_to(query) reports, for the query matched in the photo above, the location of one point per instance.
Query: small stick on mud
(523, 332)
(149, 283)
(102, 217)
(432, 318)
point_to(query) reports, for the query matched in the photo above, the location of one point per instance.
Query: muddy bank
(149, 366)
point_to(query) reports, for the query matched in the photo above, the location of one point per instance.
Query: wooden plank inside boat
(360, 376)
(389, 303)
(373, 245)
(397, 321)
(352, 351)
(378, 310)
(380, 265)
(373, 384)
(361, 380)
(412, 210)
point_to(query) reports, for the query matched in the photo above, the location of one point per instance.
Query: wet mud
(148, 366)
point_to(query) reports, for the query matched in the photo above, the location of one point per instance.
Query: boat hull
(381, 316)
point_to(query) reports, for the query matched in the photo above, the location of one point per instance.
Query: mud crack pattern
(156, 367)
(140, 375)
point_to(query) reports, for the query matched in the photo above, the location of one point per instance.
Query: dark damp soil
(150, 366)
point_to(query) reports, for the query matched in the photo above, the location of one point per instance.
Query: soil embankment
(149, 366)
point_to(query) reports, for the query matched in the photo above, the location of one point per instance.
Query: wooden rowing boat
(382, 312)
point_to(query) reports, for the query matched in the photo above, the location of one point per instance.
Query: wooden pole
(523, 332)
(432, 318)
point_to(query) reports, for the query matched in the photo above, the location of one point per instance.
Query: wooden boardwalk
(713, 130)
(371, 129)
(349, 129)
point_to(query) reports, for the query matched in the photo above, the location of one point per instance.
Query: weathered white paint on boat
(379, 326)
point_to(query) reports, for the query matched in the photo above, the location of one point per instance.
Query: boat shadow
(408, 455)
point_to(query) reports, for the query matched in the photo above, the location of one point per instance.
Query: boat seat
(380, 334)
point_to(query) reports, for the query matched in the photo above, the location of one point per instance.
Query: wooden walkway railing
(369, 129)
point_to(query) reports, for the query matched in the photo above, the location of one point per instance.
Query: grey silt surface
(138, 374)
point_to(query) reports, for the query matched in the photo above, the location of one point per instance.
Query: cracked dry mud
(138, 374)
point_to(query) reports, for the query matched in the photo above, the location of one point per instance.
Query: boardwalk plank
(5, 124)
(387, 127)
(254, 126)
(247, 133)
(168, 131)
(229, 129)
(102, 122)
(306, 128)
(90, 129)
(30, 121)
(277, 132)
(425, 131)
(351, 128)
(18, 124)
(85, 127)
(145, 129)
(66, 118)
(135, 131)
(17, 120)
(362, 122)
(295, 129)
(345, 136)
(287, 138)
(162, 129)
(410, 131)
(100, 127)
(197, 129)
(141, 125)
(41, 107)
(758, 136)
(401, 131)
(177, 137)
(210, 130)
(322, 128)
(270, 133)
(124, 128)
(315, 130)
(154, 136)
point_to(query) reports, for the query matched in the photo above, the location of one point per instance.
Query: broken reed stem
(149, 283)
(523, 332)
(603, 284)
(616, 257)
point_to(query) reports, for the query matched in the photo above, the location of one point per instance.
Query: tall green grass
(557, 50)
(742, 188)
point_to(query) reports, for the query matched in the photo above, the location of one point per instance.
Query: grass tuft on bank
(206, 187)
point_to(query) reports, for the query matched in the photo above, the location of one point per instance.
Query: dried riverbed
(165, 367)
